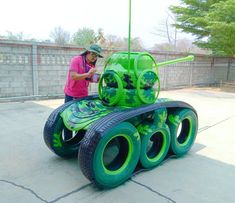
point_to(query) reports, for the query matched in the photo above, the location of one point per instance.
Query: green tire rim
(119, 89)
(128, 156)
(104, 175)
(182, 139)
(141, 80)
(139, 89)
(159, 148)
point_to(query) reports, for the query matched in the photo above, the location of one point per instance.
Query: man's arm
(77, 76)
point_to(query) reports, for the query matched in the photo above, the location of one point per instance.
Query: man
(82, 68)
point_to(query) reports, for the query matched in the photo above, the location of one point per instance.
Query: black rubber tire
(53, 137)
(182, 139)
(55, 141)
(160, 143)
(121, 167)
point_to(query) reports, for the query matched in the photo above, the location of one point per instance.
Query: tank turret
(132, 82)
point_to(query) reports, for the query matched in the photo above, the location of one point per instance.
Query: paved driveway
(29, 172)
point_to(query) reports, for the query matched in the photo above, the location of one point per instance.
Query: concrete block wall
(231, 74)
(203, 71)
(28, 69)
(221, 66)
(15, 70)
(174, 76)
(53, 63)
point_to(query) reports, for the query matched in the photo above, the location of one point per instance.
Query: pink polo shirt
(77, 88)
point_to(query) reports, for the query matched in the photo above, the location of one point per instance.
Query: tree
(136, 44)
(165, 46)
(221, 24)
(115, 42)
(60, 36)
(168, 31)
(182, 45)
(15, 36)
(205, 19)
(100, 39)
(84, 37)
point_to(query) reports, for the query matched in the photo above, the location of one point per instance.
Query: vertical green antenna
(129, 37)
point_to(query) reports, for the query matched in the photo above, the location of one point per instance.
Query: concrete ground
(29, 172)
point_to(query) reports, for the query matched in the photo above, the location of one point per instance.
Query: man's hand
(91, 71)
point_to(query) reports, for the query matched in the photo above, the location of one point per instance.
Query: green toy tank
(126, 127)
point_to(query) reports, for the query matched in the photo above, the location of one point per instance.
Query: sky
(36, 19)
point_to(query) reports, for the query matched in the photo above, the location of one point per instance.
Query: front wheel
(112, 159)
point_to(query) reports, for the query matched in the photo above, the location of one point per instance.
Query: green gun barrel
(184, 59)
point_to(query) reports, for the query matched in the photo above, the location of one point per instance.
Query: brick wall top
(69, 47)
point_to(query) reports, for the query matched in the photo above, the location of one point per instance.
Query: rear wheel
(183, 126)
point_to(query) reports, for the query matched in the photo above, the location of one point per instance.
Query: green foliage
(84, 37)
(221, 24)
(211, 21)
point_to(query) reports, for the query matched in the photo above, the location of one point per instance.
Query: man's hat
(96, 49)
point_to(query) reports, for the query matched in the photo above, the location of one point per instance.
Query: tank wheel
(183, 126)
(155, 146)
(146, 92)
(110, 88)
(55, 140)
(112, 159)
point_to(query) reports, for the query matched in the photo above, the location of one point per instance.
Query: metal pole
(129, 37)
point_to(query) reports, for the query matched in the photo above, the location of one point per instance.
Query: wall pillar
(34, 69)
